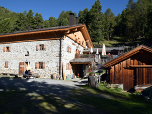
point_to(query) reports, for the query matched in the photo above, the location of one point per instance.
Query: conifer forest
(134, 21)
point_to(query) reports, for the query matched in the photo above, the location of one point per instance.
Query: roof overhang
(82, 61)
(63, 30)
(127, 55)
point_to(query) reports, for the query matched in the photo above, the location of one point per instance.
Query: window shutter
(3, 49)
(9, 49)
(37, 47)
(43, 65)
(6, 64)
(67, 49)
(36, 65)
(44, 47)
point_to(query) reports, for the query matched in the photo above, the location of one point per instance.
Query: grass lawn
(114, 101)
(119, 41)
(83, 100)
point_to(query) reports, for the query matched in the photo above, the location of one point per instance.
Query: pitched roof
(127, 55)
(82, 60)
(80, 27)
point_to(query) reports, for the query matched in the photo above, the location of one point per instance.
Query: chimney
(28, 28)
(39, 26)
(76, 20)
(71, 19)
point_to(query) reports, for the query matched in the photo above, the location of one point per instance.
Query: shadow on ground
(30, 96)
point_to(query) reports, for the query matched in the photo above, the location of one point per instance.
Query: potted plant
(77, 55)
(91, 73)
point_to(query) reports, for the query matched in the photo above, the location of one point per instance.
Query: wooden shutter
(44, 47)
(43, 65)
(37, 47)
(67, 49)
(6, 64)
(3, 49)
(9, 49)
(36, 65)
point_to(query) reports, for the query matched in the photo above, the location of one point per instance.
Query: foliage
(91, 73)
(134, 21)
(85, 55)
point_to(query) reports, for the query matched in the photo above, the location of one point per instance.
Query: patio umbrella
(97, 51)
(91, 50)
(99, 56)
(28, 66)
(103, 50)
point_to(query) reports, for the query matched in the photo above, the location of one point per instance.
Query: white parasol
(103, 50)
(28, 66)
(91, 50)
(97, 51)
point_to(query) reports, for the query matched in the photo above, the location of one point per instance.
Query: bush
(91, 73)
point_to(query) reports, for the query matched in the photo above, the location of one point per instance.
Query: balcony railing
(102, 59)
(84, 55)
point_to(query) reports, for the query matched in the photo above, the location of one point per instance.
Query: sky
(53, 8)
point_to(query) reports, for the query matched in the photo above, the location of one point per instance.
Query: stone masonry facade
(50, 56)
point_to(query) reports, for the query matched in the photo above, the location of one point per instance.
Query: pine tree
(53, 22)
(95, 22)
(37, 20)
(30, 19)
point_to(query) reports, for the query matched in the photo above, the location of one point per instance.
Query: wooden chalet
(131, 69)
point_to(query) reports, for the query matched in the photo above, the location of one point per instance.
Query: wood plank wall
(121, 73)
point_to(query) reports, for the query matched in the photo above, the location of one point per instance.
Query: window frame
(39, 65)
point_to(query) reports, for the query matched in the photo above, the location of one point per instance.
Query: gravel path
(41, 86)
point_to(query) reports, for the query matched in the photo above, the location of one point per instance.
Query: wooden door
(128, 79)
(21, 68)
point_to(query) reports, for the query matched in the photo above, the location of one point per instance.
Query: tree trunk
(93, 81)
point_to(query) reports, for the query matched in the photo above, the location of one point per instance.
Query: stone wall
(17, 54)
(50, 56)
(67, 57)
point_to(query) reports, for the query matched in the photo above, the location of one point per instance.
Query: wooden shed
(131, 69)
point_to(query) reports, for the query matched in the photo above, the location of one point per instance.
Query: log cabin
(132, 69)
(46, 51)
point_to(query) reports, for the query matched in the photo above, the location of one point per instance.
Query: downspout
(60, 57)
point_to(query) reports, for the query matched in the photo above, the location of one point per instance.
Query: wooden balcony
(84, 55)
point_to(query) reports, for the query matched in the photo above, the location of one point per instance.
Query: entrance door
(21, 68)
(128, 79)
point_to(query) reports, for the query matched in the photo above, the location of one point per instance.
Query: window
(68, 49)
(7, 49)
(6, 64)
(77, 51)
(40, 65)
(68, 66)
(40, 47)
(27, 53)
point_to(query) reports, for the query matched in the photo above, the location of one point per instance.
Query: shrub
(91, 73)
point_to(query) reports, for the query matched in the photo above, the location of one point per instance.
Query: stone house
(46, 51)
